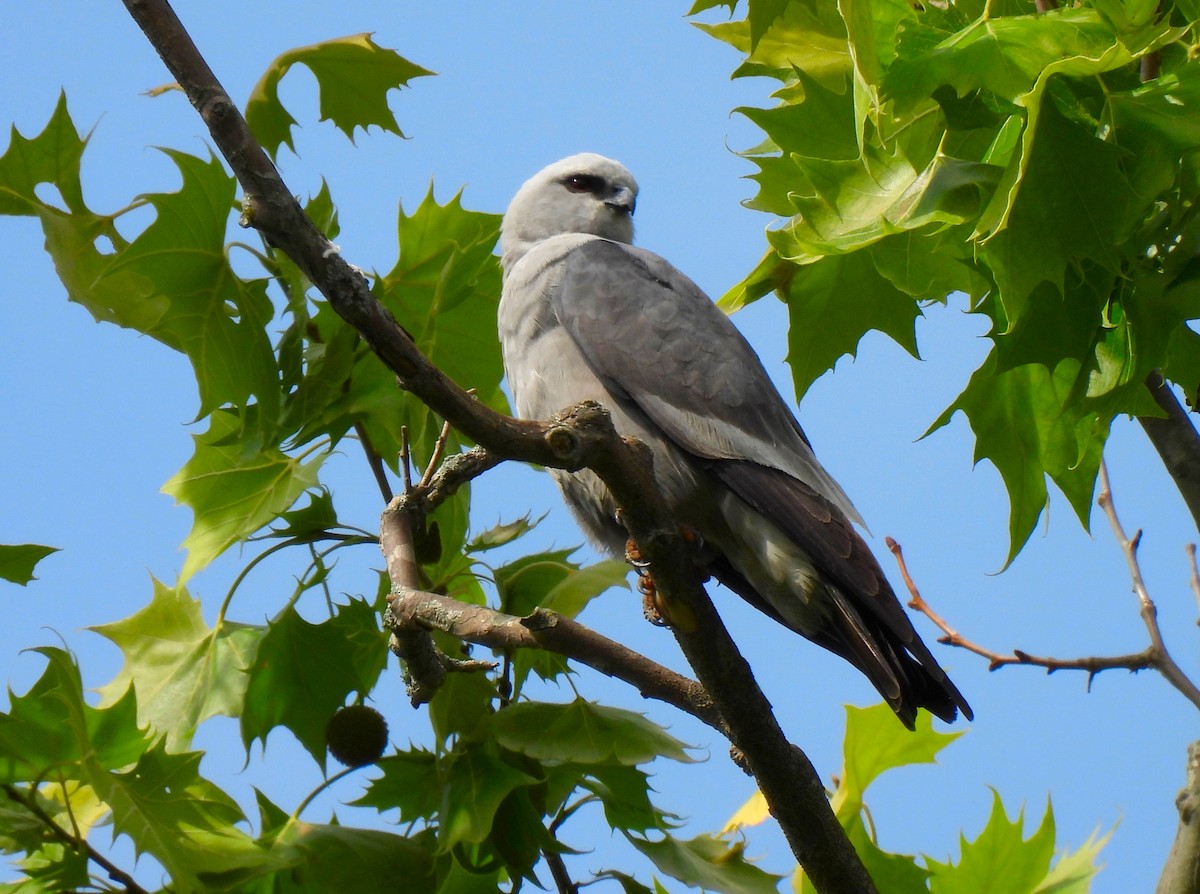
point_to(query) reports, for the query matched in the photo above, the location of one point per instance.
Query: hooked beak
(622, 200)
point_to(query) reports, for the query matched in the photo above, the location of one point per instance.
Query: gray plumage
(585, 315)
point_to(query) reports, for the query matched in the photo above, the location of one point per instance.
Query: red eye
(583, 183)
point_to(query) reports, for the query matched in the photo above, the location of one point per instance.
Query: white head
(584, 193)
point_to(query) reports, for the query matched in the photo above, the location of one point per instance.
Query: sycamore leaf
(409, 784)
(625, 794)
(52, 157)
(708, 863)
(52, 726)
(234, 489)
(17, 561)
(501, 534)
(585, 733)
(354, 75)
(1000, 859)
(302, 673)
(476, 784)
(174, 283)
(1073, 871)
(873, 746)
(1003, 54)
(182, 670)
(832, 304)
(811, 37)
(462, 704)
(170, 811)
(550, 580)
(1074, 205)
(1027, 424)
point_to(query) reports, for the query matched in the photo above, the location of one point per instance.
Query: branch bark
(789, 782)
(1177, 443)
(1181, 874)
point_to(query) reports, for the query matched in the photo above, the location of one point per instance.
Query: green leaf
(17, 562)
(310, 858)
(462, 704)
(1000, 859)
(708, 863)
(233, 488)
(1026, 422)
(174, 283)
(53, 157)
(832, 304)
(1003, 54)
(809, 37)
(501, 534)
(168, 810)
(476, 783)
(1073, 871)
(303, 672)
(354, 76)
(873, 746)
(309, 521)
(550, 580)
(409, 783)
(625, 794)
(182, 670)
(583, 732)
(52, 726)
(1073, 205)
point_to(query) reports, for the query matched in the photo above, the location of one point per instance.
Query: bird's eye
(583, 183)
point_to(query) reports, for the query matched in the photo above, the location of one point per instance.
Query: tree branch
(1177, 443)
(791, 786)
(1155, 655)
(1179, 875)
(118, 875)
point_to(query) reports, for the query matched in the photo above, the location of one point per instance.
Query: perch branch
(1177, 443)
(788, 781)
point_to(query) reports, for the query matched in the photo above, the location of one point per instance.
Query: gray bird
(585, 315)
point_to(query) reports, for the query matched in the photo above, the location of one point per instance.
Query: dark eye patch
(585, 183)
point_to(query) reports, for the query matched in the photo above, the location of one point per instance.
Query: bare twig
(406, 459)
(1093, 665)
(1154, 656)
(1163, 662)
(436, 458)
(583, 438)
(1195, 576)
(558, 871)
(118, 875)
(375, 461)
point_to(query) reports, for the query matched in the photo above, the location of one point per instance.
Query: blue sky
(96, 419)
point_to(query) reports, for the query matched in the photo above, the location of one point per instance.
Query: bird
(586, 315)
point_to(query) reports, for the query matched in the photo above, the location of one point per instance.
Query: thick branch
(790, 784)
(1177, 443)
(1181, 874)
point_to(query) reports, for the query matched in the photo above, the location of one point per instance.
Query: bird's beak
(622, 200)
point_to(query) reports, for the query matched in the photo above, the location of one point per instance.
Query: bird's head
(585, 193)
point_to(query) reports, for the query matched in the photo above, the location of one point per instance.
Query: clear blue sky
(96, 418)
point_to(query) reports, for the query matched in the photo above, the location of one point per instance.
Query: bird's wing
(656, 339)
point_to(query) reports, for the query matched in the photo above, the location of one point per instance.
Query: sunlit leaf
(354, 75)
(182, 670)
(18, 561)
